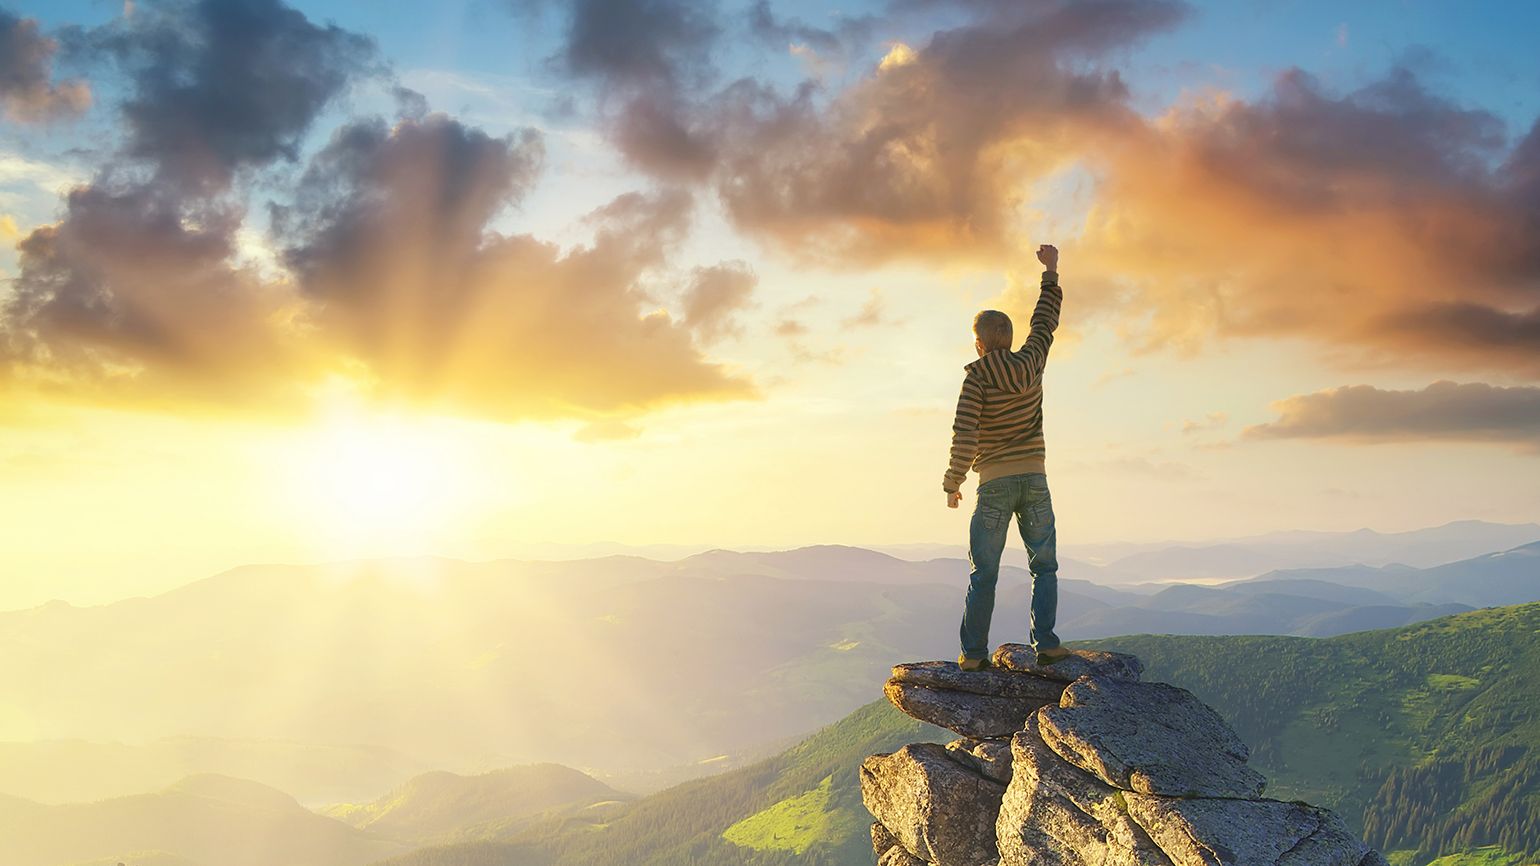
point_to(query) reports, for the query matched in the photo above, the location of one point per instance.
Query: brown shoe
(1049, 656)
(968, 664)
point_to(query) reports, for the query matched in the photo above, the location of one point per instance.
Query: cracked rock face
(1150, 738)
(935, 809)
(1210, 832)
(1054, 814)
(1096, 663)
(888, 851)
(989, 758)
(980, 717)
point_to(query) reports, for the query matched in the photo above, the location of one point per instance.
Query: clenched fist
(1048, 254)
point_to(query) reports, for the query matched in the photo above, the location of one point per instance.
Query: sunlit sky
(350, 279)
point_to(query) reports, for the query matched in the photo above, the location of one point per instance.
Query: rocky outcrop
(1080, 764)
(1152, 738)
(936, 809)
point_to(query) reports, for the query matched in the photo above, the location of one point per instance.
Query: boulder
(1150, 738)
(935, 809)
(981, 717)
(1217, 832)
(990, 681)
(1096, 663)
(989, 758)
(1055, 814)
(888, 851)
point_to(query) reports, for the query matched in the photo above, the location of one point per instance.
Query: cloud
(928, 158)
(132, 290)
(1388, 225)
(715, 295)
(221, 85)
(924, 159)
(1443, 411)
(1211, 421)
(28, 93)
(382, 268)
(825, 42)
(390, 240)
(647, 58)
(870, 314)
(136, 290)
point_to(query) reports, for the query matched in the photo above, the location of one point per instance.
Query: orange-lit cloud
(1372, 224)
(1449, 411)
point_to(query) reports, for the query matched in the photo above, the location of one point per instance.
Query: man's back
(999, 424)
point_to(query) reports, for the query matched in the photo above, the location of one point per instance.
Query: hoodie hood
(1000, 369)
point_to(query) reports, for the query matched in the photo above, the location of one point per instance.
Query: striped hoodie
(999, 425)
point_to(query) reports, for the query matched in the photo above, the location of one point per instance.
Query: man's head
(991, 331)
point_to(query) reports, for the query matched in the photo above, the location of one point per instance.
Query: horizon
(680, 553)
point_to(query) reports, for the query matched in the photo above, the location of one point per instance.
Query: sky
(327, 280)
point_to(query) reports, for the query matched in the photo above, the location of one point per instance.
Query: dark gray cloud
(221, 85)
(1445, 411)
(834, 41)
(134, 291)
(647, 59)
(28, 93)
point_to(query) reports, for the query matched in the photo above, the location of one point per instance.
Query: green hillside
(1426, 738)
(800, 807)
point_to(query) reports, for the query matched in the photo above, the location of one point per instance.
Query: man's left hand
(953, 498)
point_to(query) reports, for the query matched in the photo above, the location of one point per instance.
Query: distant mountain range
(205, 820)
(707, 660)
(1124, 563)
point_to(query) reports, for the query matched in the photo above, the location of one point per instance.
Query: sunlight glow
(366, 482)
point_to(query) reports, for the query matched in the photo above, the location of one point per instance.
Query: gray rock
(1151, 738)
(935, 809)
(991, 681)
(981, 717)
(989, 758)
(1097, 663)
(1214, 832)
(888, 851)
(1055, 814)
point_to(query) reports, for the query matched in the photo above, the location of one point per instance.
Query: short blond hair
(993, 328)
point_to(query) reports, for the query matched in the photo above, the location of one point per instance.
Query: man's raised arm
(1045, 318)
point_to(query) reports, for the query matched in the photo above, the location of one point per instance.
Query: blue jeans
(1025, 496)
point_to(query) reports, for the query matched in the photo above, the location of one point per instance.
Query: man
(999, 433)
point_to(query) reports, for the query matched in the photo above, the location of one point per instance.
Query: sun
(374, 483)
